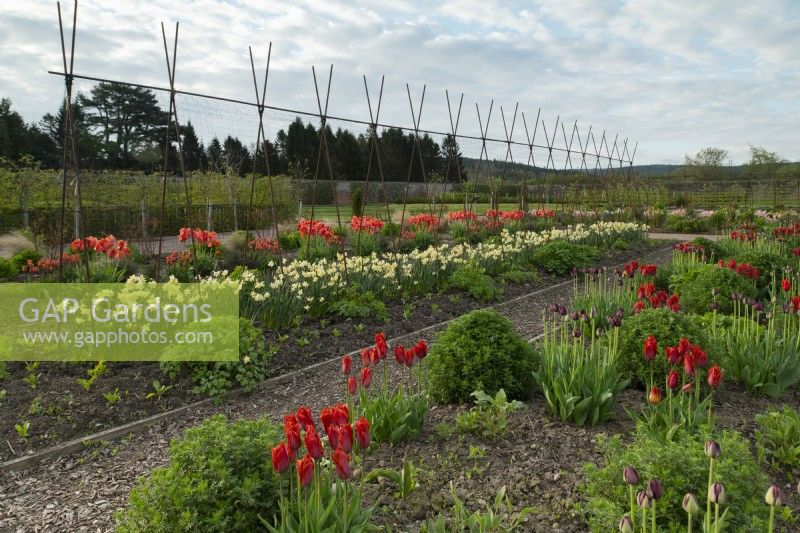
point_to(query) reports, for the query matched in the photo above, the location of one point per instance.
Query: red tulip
(342, 463)
(786, 285)
(313, 443)
(380, 344)
(421, 349)
(699, 356)
(408, 357)
(347, 363)
(280, 458)
(683, 346)
(305, 418)
(650, 348)
(346, 437)
(688, 388)
(714, 376)
(673, 355)
(341, 414)
(305, 471)
(638, 307)
(352, 384)
(399, 354)
(326, 415)
(374, 356)
(333, 436)
(362, 433)
(366, 377)
(648, 270)
(293, 438)
(655, 396)
(365, 360)
(688, 366)
(673, 379)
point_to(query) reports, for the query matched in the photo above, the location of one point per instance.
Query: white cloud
(677, 76)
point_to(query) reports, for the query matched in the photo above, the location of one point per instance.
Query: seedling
(23, 429)
(158, 390)
(112, 397)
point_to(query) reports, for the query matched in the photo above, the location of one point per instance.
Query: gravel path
(81, 491)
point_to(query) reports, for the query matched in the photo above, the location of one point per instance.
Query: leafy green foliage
(480, 351)
(695, 286)
(215, 378)
(358, 304)
(778, 438)
(489, 415)
(668, 328)
(394, 417)
(499, 516)
(7, 270)
(762, 357)
(219, 478)
(330, 507)
(559, 257)
(21, 258)
(580, 381)
(682, 467)
(473, 279)
(516, 275)
(290, 241)
(405, 478)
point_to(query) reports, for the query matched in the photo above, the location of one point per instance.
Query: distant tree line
(120, 127)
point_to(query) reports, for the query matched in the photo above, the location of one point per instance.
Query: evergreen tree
(453, 161)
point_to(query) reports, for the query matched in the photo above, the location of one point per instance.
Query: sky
(675, 76)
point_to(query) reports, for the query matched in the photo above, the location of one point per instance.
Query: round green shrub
(559, 257)
(668, 328)
(681, 466)
(694, 288)
(480, 351)
(219, 478)
(662, 278)
(767, 263)
(6, 269)
(713, 251)
(20, 259)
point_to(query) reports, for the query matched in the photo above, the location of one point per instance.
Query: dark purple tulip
(577, 334)
(630, 475)
(654, 490)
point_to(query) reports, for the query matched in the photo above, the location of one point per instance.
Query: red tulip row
(315, 228)
(263, 244)
(743, 269)
(366, 223)
(108, 245)
(200, 236)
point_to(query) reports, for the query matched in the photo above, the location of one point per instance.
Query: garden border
(27, 461)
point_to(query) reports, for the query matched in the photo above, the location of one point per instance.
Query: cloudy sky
(676, 75)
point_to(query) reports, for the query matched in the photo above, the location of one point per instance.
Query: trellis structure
(617, 157)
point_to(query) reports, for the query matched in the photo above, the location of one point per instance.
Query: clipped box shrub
(480, 351)
(219, 478)
(695, 288)
(668, 328)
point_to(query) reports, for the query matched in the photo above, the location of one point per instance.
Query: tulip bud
(716, 493)
(643, 500)
(714, 306)
(626, 525)
(690, 504)
(655, 396)
(577, 334)
(630, 475)
(712, 449)
(654, 490)
(672, 380)
(774, 497)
